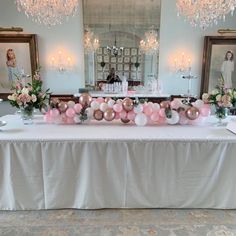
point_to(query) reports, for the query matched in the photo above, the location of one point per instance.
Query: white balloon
(71, 104)
(103, 106)
(156, 107)
(95, 105)
(89, 112)
(138, 109)
(199, 104)
(174, 118)
(141, 119)
(77, 119)
(111, 103)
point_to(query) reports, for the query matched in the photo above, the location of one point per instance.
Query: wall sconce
(182, 63)
(60, 62)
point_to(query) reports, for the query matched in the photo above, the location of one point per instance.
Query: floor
(114, 222)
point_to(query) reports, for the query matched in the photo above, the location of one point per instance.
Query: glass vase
(221, 113)
(27, 114)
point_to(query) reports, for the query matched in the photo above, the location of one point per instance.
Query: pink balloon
(70, 112)
(162, 113)
(175, 104)
(47, 118)
(199, 121)
(117, 107)
(117, 117)
(131, 115)
(54, 113)
(205, 110)
(155, 116)
(70, 120)
(100, 99)
(123, 114)
(78, 107)
(147, 110)
(183, 120)
(161, 120)
(63, 118)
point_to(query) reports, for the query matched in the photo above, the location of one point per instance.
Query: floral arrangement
(221, 96)
(30, 96)
(127, 111)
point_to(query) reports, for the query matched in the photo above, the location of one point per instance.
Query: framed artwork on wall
(18, 57)
(218, 59)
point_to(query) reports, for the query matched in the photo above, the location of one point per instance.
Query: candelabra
(189, 77)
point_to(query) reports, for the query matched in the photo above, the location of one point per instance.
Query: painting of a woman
(227, 68)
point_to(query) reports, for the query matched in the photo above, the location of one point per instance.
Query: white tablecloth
(111, 165)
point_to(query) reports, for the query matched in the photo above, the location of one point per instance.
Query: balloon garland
(126, 110)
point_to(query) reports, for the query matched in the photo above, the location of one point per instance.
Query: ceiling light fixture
(48, 12)
(205, 13)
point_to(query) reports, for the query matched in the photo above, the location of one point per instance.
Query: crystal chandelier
(149, 45)
(91, 44)
(205, 13)
(48, 12)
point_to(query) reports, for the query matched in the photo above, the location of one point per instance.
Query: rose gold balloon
(107, 99)
(62, 106)
(125, 120)
(85, 99)
(98, 115)
(109, 114)
(165, 104)
(128, 104)
(192, 113)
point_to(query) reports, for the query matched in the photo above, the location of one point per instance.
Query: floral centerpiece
(29, 97)
(222, 98)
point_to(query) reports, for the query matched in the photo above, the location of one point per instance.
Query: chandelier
(91, 44)
(149, 45)
(48, 12)
(114, 50)
(205, 13)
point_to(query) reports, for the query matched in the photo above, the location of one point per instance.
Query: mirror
(120, 25)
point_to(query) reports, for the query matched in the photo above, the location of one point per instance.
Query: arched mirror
(113, 32)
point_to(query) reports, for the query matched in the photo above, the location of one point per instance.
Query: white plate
(2, 123)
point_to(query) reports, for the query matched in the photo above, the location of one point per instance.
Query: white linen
(111, 165)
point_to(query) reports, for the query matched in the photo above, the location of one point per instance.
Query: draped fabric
(104, 165)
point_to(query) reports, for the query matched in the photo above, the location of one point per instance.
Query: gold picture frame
(17, 51)
(214, 55)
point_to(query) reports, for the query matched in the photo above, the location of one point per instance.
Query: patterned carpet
(152, 222)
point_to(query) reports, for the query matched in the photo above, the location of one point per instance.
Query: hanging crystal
(205, 13)
(48, 12)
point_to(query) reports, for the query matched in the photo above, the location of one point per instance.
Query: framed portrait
(218, 59)
(18, 57)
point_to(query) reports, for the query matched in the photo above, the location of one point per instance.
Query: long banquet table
(113, 165)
